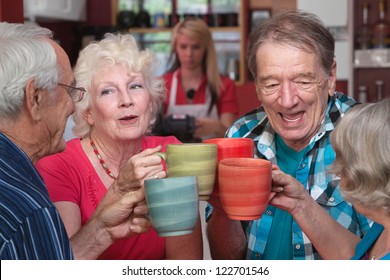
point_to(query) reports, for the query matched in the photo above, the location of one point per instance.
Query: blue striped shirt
(312, 173)
(30, 225)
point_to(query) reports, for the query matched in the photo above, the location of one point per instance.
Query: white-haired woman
(113, 121)
(361, 143)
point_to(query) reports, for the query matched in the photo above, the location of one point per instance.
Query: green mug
(193, 159)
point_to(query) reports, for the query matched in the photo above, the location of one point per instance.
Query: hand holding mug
(121, 215)
(138, 168)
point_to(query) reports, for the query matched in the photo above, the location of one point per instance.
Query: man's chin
(61, 146)
(294, 137)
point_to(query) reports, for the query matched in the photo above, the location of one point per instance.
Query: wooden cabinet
(370, 68)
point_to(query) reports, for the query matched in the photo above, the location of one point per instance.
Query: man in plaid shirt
(291, 57)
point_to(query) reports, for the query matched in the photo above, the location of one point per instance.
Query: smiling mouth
(292, 119)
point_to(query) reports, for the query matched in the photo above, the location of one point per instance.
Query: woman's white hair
(115, 49)
(361, 143)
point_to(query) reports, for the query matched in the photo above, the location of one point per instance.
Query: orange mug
(244, 187)
(231, 148)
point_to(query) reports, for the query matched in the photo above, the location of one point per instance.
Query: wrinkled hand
(287, 191)
(121, 213)
(140, 167)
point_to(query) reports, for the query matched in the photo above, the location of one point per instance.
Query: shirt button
(298, 246)
(257, 255)
(303, 165)
(268, 212)
(331, 199)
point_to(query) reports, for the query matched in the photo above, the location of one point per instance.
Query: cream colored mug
(193, 159)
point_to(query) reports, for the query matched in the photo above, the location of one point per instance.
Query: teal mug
(173, 204)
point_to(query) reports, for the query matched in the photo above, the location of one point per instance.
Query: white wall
(68, 134)
(73, 10)
(334, 13)
(331, 12)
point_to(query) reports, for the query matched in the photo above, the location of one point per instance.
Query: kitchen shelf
(365, 74)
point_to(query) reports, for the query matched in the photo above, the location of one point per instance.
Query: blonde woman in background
(194, 85)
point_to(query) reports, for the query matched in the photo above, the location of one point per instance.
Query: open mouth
(127, 118)
(292, 118)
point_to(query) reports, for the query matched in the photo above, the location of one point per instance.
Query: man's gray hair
(25, 54)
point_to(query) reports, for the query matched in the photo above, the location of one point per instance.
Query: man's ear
(332, 79)
(34, 100)
(258, 92)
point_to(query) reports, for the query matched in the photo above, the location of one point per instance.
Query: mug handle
(161, 155)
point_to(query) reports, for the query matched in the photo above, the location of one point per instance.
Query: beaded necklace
(101, 160)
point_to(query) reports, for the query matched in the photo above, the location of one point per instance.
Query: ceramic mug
(244, 187)
(193, 159)
(173, 204)
(231, 148)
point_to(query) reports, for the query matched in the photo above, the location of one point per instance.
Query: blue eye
(136, 86)
(106, 91)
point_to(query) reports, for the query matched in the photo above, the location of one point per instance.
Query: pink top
(70, 176)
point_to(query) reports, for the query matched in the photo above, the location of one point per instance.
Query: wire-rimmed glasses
(76, 93)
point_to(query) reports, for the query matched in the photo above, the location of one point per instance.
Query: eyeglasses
(76, 93)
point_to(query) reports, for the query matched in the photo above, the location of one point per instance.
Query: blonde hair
(361, 143)
(111, 50)
(197, 29)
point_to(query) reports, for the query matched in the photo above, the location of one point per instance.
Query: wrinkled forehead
(272, 53)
